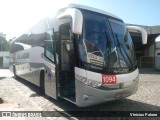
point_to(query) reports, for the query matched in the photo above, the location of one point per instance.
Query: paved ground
(5, 73)
(23, 96)
(15, 96)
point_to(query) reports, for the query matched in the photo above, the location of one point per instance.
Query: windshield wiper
(120, 45)
(108, 45)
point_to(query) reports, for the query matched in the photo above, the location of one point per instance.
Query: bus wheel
(42, 81)
(14, 71)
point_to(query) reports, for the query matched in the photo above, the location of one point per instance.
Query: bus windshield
(106, 45)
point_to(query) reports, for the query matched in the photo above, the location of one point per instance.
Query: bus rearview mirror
(141, 30)
(77, 19)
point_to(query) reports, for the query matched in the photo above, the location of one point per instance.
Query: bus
(81, 54)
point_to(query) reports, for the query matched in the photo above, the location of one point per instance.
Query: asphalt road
(27, 96)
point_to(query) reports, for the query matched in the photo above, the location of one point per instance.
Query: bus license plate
(109, 79)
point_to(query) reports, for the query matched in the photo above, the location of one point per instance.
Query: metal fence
(146, 62)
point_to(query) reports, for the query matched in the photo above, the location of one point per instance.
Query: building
(4, 59)
(157, 57)
(146, 54)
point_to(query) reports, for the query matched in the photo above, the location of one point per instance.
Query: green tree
(4, 44)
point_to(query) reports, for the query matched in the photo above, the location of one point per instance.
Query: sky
(17, 16)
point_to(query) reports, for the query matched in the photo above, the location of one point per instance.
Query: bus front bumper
(86, 95)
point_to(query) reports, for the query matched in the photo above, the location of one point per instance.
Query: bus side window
(49, 46)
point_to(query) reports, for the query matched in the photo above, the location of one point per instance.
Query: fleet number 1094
(109, 79)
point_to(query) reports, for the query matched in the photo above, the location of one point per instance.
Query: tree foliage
(4, 44)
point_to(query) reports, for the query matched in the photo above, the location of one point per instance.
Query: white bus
(81, 54)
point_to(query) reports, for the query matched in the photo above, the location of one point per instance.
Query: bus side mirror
(141, 30)
(77, 19)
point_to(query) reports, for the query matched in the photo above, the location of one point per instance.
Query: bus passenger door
(67, 62)
(50, 83)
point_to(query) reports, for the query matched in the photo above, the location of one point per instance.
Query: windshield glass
(105, 45)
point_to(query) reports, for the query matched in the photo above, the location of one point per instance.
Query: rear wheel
(42, 86)
(14, 72)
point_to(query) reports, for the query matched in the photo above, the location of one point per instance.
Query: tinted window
(49, 45)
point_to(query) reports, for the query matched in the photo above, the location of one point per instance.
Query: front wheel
(14, 72)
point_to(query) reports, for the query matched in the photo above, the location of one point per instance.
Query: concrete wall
(157, 52)
(151, 50)
(5, 56)
(157, 49)
(157, 62)
(158, 45)
(157, 56)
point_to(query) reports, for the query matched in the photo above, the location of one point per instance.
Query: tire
(14, 72)
(42, 86)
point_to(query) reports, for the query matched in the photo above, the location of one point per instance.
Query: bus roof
(92, 9)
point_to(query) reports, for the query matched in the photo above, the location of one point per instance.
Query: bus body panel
(86, 95)
(29, 62)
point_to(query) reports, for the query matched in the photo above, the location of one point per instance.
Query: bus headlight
(88, 82)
